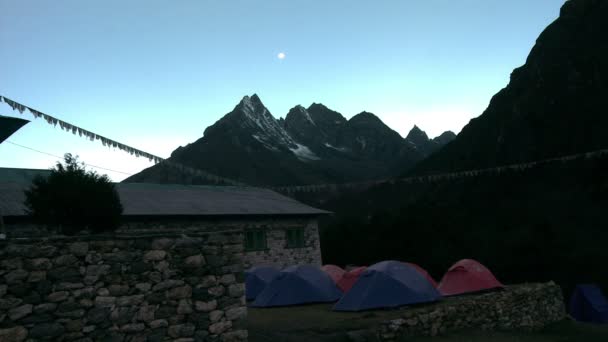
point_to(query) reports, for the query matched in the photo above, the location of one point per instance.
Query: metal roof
(143, 199)
(9, 125)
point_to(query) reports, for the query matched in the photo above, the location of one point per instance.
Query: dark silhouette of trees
(74, 199)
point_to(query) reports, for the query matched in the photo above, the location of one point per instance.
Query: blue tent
(588, 304)
(256, 279)
(388, 284)
(298, 285)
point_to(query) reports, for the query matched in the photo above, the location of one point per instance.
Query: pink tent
(349, 278)
(424, 273)
(334, 272)
(466, 276)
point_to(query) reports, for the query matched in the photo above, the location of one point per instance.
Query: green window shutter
(295, 237)
(255, 240)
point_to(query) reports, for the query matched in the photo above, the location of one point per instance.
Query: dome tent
(588, 304)
(424, 273)
(388, 284)
(350, 278)
(298, 285)
(467, 276)
(334, 272)
(256, 279)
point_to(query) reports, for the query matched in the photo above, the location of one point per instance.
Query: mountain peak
(417, 136)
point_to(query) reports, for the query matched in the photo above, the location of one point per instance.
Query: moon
(281, 55)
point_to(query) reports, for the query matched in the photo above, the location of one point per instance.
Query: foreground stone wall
(521, 307)
(278, 254)
(139, 287)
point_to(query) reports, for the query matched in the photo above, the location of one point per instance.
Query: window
(295, 237)
(255, 240)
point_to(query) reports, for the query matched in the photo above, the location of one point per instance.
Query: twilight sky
(153, 74)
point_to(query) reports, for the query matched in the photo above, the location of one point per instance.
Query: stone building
(278, 230)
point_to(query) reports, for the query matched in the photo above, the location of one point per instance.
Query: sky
(154, 74)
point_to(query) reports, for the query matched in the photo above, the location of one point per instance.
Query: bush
(74, 199)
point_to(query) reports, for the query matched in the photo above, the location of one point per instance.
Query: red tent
(349, 278)
(334, 272)
(424, 273)
(466, 276)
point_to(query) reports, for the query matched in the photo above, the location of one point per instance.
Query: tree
(74, 199)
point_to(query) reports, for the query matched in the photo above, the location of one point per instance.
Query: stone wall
(277, 253)
(130, 286)
(521, 307)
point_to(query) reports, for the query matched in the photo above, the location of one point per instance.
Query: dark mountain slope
(554, 105)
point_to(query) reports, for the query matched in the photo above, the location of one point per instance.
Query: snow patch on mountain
(341, 149)
(304, 153)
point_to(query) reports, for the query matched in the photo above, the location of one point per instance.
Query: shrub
(74, 199)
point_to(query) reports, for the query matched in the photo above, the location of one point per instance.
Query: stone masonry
(129, 286)
(523, 307)
(278, 254)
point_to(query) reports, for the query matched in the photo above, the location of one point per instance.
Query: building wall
(277, 253)
(144, 284)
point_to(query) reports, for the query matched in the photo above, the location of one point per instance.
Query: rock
(220, 327)
(130, 300)
(146, 313)
(8, 303)
(16, 276)
(46, 331)
(194, 261)
(36, 276)
(44, 308)
(184, 307)
(227, 279)
(162, 244)
(236, 313)
(216, 315)
(143, 287)
(68, 286)
(208, 281)
(123, 315)
(236, 290)
(58, 296)
(159, 323)
(65, 274)
(205, 306)
(20, 311)
(14, 334)
(88, 329)
(105, 302)
(167, 284)
(74, 325)
(180, 292)
(216, 291)
(2, 290)
(97, 270)
(155, 255)
(181, 330)
(132, 328)
(98, 315)
(79, 248)
(102, 291)
(118, 290)
(65, 260)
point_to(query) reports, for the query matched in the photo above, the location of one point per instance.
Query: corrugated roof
(142, 199)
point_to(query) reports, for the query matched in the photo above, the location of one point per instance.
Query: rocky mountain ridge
(310, 146)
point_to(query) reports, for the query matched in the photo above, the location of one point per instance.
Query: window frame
(295, 241)
(259, 240)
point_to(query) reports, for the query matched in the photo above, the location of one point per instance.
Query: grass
(319, 323)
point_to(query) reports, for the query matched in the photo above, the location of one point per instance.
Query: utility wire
(56, 156)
